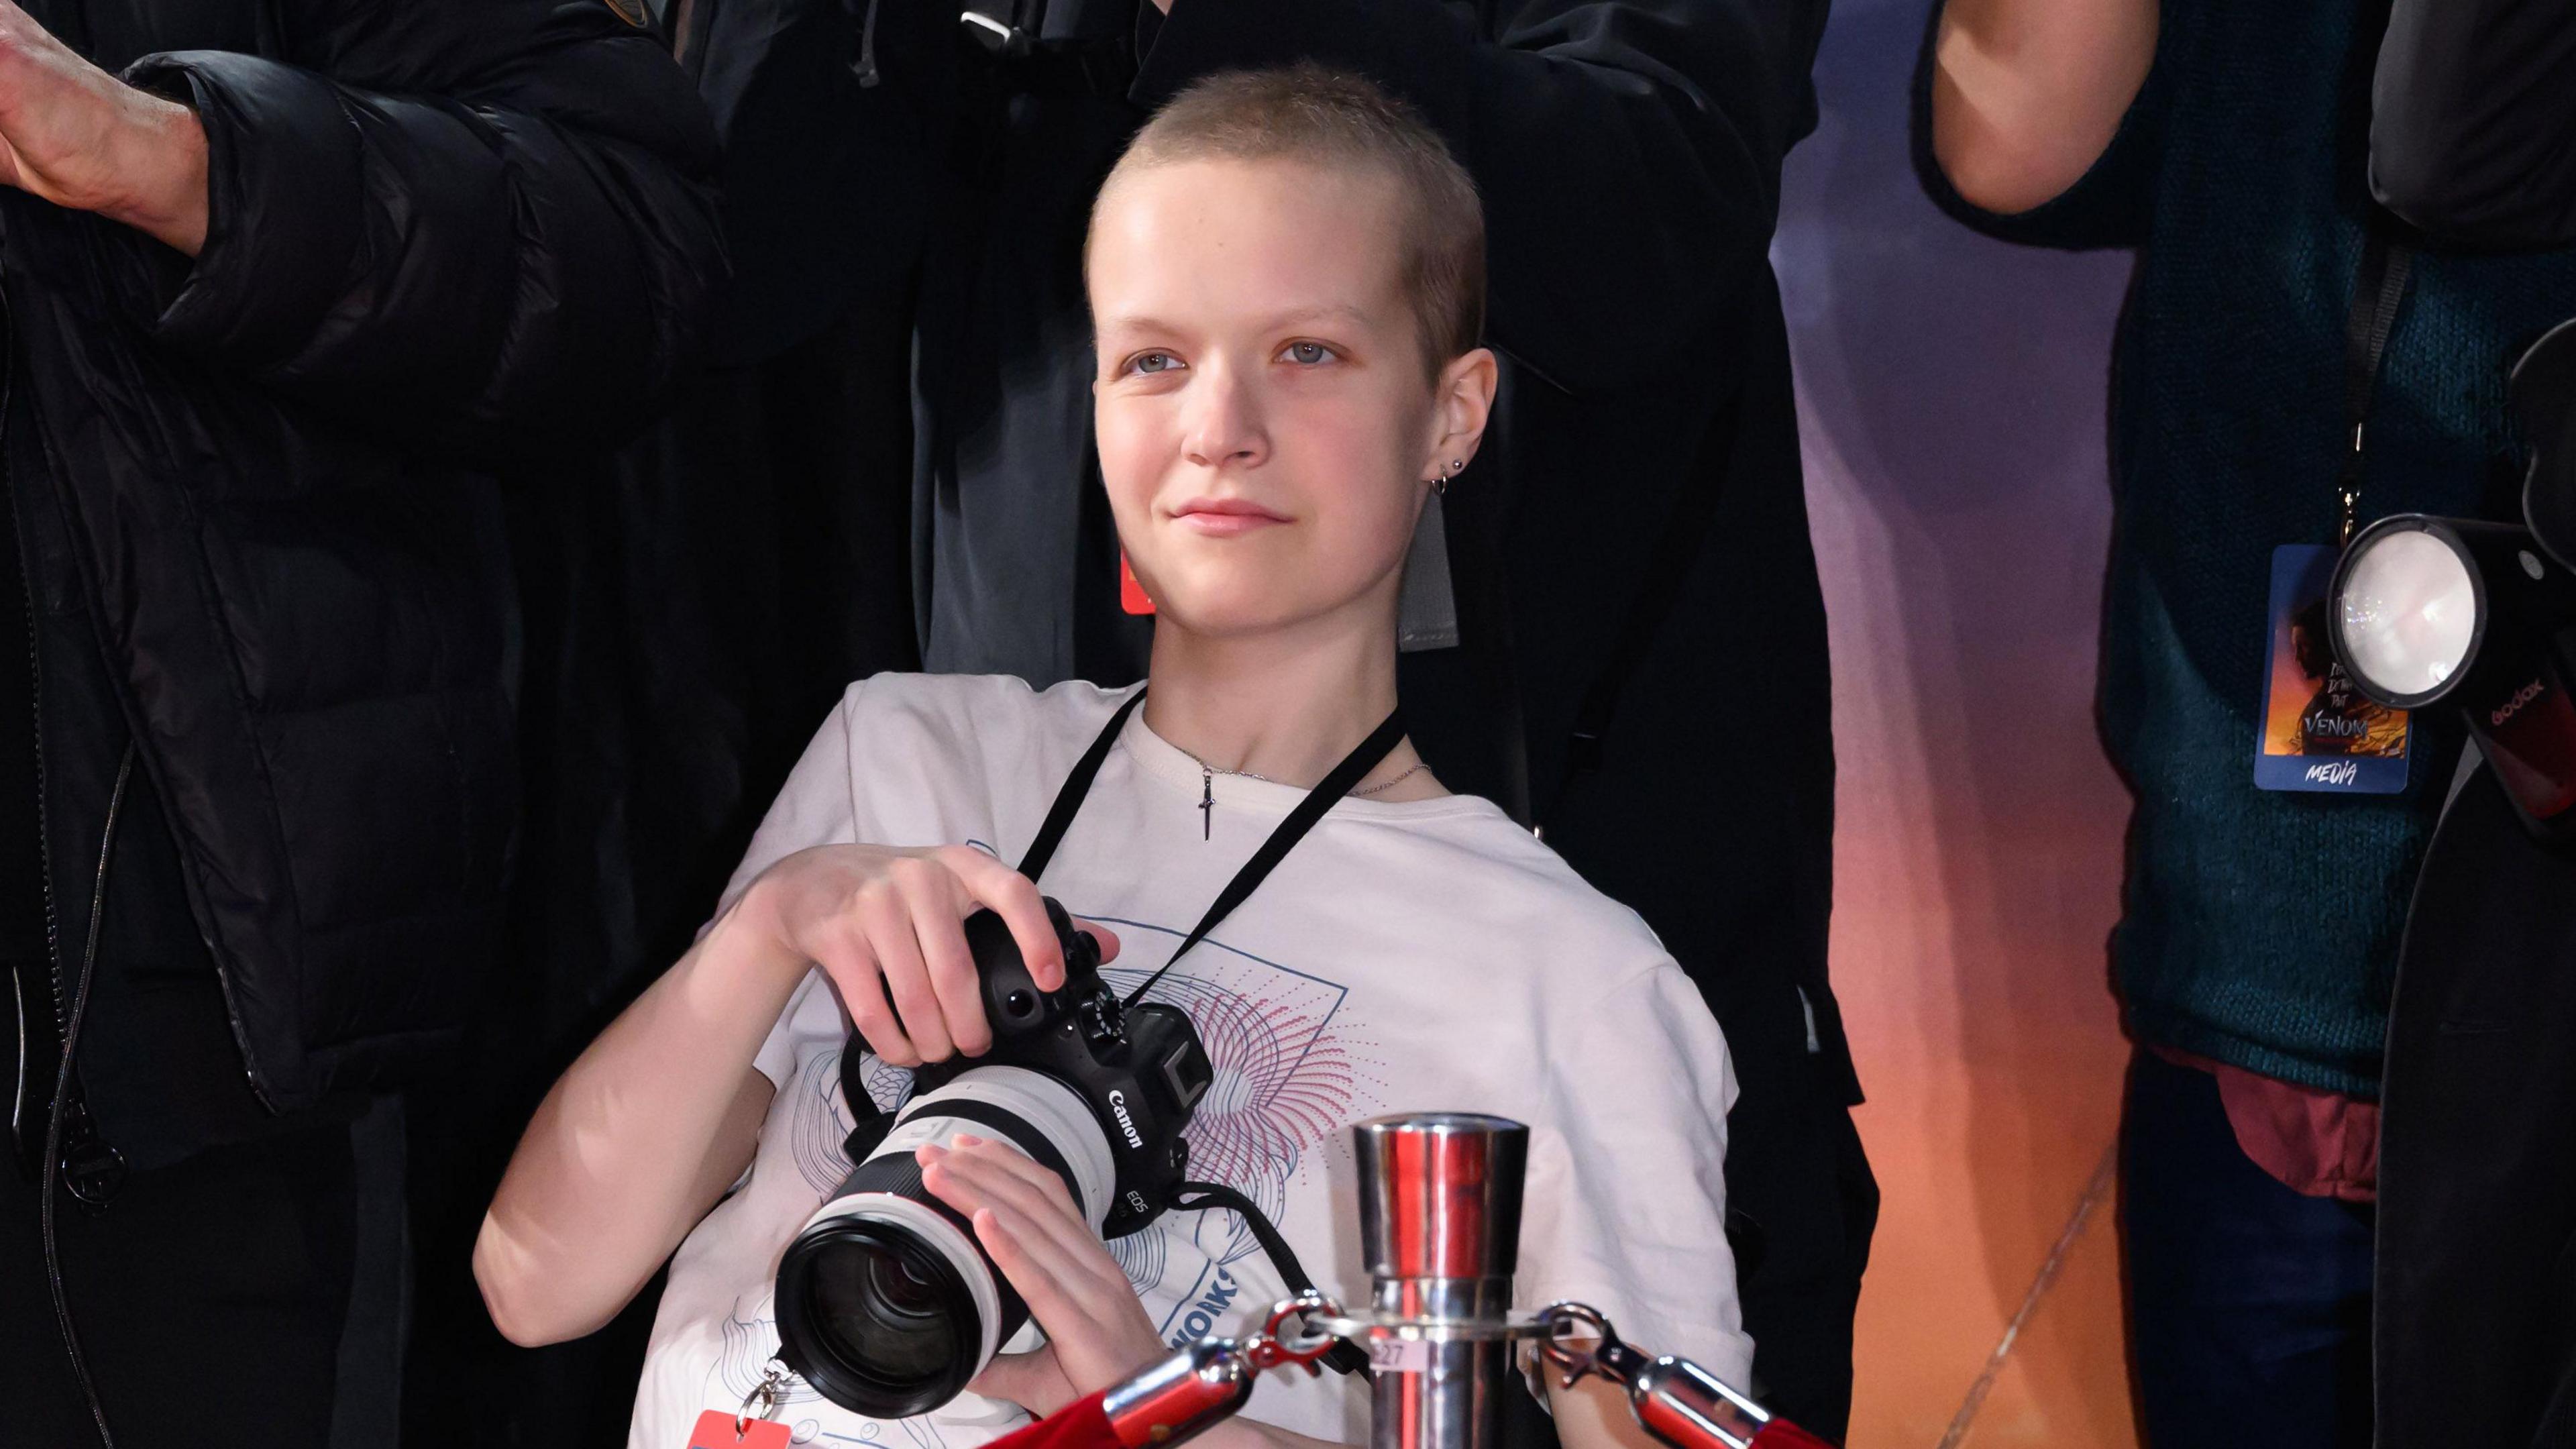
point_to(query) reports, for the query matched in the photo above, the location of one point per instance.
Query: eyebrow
(1324, 313)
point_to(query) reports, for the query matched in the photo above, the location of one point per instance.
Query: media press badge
(2318, 732)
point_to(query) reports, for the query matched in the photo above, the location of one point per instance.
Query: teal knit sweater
(2261, 928)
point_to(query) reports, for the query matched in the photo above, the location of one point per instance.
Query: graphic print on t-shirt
(749, 1344)
(820, 1133)
(1291, 1066)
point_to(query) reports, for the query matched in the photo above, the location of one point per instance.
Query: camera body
(886, 1302)
(1141, 1070)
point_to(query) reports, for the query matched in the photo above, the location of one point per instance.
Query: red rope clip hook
(1269, 1351)
(1180, 1397)
(1676, 1400)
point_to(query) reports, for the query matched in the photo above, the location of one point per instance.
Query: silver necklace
(1207, 787)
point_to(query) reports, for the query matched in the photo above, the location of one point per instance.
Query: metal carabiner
(769, 1393)
(1268, 1350)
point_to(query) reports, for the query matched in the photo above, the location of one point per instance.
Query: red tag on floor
(1131, 592)
(715, 1431)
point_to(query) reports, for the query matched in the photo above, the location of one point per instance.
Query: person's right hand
(885, 921)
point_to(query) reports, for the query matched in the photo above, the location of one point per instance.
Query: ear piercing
(1440, 485)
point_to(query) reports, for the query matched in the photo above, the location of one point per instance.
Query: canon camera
(886, 1303)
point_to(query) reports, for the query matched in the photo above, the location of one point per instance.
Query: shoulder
(1501, 871)
(985, 713)
(1550, 947)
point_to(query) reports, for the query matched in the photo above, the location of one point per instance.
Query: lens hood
(817, 1302)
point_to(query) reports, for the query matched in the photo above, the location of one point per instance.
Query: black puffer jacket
(442, 234)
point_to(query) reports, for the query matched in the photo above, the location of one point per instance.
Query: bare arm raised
(2027, 94)
(645, 1132)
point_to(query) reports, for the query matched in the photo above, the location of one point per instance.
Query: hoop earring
(1440, 485)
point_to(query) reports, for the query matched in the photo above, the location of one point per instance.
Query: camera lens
(880, 1309)
(902, 1288)
(886, 1303)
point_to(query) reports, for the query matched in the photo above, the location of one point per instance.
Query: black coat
(2473, 1334)
(259, 540)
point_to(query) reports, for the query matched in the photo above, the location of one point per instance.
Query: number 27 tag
(715, 1431)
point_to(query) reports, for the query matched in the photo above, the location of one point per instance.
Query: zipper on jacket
(35, 722)
(35, 662)
(102, 1166)
(51, 1178)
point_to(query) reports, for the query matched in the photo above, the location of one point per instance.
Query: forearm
(165, 196)
(635, 1143)
(2027, 94)
(1240, 1433)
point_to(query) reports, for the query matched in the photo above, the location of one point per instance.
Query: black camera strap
(1192, 1197)
(1338, 782)
(1327, 792)
(2378, 290)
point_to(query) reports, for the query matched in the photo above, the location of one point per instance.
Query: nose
(1222, 423)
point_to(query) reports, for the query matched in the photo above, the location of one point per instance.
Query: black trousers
(2249, 1303)
(210, 1299)
(1802, 1206)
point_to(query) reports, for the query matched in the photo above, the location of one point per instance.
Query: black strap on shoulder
(1200, 1196)
(1327, 792)
(2378, 290)
(1068, 798)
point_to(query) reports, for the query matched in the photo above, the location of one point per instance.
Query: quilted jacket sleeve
(485, 223)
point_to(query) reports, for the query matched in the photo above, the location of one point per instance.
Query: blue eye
(1306, 354)
(1152, 362)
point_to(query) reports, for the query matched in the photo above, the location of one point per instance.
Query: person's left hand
(80, 138)
(1097, 1333)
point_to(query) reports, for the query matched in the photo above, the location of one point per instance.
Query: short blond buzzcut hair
(1341, 121)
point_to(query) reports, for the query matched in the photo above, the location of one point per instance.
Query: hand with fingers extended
(886, 924)
(1097, 1331)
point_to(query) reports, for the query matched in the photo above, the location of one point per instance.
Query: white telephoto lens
(2409, 613)
(886, 1302)
(1045, 1104)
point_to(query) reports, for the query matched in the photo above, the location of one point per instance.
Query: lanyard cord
(1196, 1197)
(1370, 753)
(2378, 289)
(1367, 756)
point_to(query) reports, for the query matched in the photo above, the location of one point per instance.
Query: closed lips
(1226, 516)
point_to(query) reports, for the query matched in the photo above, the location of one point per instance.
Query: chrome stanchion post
(1440, 1225)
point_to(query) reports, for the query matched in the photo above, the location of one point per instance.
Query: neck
(1286, 704)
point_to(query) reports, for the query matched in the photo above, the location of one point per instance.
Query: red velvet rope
(1078, 1425)
(1081, 1425)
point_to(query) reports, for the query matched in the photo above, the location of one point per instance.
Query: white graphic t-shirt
(1405, 956)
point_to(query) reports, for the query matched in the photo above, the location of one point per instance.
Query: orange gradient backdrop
(1951, 397)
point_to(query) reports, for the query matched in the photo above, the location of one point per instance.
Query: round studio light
(2408, 612)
